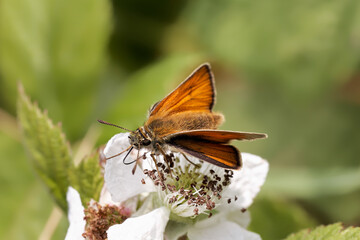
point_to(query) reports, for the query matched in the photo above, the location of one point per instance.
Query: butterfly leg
(137, 163)
(167, 158)
(152, 155)
(196, 165)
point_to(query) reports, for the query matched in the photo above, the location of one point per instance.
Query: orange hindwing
(221, 155)
(211, 145)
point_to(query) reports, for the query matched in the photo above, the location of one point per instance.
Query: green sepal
(87, 178)
(47, 146)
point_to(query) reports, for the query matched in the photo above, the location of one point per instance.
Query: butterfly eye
(146, 142)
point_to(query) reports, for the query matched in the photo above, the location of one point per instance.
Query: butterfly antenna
(119, 153)
(114, 125)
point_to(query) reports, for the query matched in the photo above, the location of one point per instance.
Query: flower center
(189, 189)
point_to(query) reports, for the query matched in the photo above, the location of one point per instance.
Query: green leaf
(87, 178)
(47, 146)
(331, 232)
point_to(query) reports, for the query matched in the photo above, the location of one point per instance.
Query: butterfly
(184, 122)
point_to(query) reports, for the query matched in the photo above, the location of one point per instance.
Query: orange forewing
(196, 93)
(218, 136)
(221, 155)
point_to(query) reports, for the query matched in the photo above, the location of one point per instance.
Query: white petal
(241, 218)
(105, 197)
(174, 230)
(246, 183)
(224, 230)
(238, 217)
(75, 216)
(146, 227)
(120, 181)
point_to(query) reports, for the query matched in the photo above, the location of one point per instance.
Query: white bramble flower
(185, 191)
(99, 220)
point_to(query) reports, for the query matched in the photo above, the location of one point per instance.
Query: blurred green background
(290, 69)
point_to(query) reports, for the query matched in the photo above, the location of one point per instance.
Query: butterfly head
(139, 139)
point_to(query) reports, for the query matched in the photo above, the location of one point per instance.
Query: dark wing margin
(218, 136)
(196, 93)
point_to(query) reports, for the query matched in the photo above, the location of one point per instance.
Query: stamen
(99, 218)
(197, 187)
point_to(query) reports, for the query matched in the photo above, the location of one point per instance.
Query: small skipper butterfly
(184, 122)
